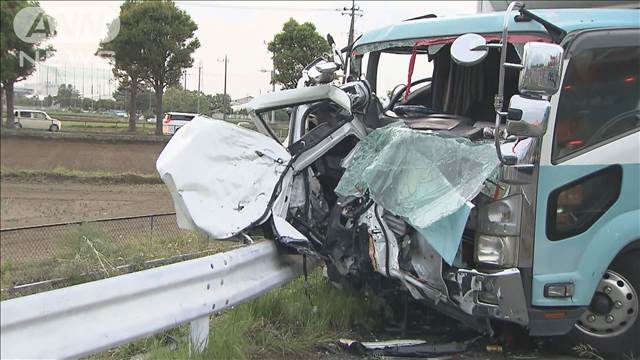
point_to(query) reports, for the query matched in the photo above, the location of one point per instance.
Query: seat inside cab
(444, 96)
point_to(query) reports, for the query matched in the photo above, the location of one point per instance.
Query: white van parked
(36, 119)
(175, 120)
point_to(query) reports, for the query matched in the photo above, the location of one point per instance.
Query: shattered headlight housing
(497, 250)
(498, 232)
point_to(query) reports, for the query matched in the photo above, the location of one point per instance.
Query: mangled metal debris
(405, 347)
(422, 177)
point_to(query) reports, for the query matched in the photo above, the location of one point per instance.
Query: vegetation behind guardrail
(45, 255)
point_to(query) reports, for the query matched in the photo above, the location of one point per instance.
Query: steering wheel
(599, 134)
(395, 97)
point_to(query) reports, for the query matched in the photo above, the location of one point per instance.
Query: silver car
(36, 119)
(175, 120)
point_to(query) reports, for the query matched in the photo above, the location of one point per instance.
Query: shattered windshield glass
(420, 176)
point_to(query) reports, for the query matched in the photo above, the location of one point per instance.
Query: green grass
(111, 127)
(86, 253)
(281, 324)
(79, 116)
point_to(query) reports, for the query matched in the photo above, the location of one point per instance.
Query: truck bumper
(498, 295)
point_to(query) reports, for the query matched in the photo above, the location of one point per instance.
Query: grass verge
(283, 323)
(108, 127)
(62, 174)
(89, 253)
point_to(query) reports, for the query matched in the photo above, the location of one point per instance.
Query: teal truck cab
(498, 181)
(568, 221)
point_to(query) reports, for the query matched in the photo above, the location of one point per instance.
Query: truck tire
(611, 325)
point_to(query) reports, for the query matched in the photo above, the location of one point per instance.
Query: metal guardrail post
(199, 334)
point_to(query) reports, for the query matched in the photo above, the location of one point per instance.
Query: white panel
(622, 151)
(221, 176)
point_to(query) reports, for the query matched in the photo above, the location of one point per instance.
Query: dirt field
(42, 155)
(24, 203)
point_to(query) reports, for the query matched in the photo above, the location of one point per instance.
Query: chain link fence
(64, 253)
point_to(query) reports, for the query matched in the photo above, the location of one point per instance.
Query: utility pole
(199, 77)
(273, 89)
(224, 98)
(352, 12)
(75, 100)
(184, 73)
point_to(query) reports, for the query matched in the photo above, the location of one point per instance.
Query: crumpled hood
(221, 176)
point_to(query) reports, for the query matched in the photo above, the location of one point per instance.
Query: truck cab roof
(569, 20)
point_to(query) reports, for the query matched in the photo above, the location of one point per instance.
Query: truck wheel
(611, 325)
(17, 125)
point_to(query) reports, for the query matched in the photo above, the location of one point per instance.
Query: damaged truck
(499, 181)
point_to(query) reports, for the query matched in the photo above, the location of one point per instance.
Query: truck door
(587, 200)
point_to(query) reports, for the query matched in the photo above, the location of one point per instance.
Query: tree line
(176, 98)
(155, 43)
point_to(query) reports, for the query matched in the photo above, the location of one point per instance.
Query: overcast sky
(238, 29)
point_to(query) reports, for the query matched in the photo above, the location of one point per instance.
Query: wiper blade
(556, 33)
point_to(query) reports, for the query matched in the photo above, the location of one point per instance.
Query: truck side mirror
(527, 116)
(469, 49)
(541, 69)
(528, 113)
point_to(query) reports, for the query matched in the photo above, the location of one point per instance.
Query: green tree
(87, 103)
(105, 104)
(181, 100)
(163, 38)
(293, 48)
(47, 101)
(144, 98)
(22, 100)
(12, 49)
(67, 96)
(221, 103)
(124, 53)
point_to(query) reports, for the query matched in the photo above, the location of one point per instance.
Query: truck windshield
(463, 91)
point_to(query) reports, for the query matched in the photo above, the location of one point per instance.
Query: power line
(240, 7)
(199, 78)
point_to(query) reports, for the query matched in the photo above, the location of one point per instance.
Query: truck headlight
(498, 231)
(497, 250)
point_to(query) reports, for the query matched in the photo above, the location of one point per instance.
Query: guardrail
(84, 319)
